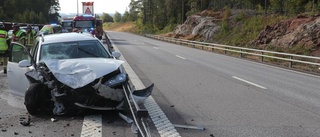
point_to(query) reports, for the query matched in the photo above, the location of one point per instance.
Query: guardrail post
(262, 58)
(241, 55)
(225, 51)
(290, 63)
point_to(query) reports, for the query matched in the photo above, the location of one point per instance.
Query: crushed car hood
(77, 73)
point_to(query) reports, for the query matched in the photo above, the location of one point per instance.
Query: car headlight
(117, 80)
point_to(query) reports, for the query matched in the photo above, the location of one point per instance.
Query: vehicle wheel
(31, 98)
(5, 70)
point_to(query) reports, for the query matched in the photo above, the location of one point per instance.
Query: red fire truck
(88, 22)
(85, 22)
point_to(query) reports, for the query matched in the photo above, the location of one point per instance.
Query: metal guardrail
(261, 53)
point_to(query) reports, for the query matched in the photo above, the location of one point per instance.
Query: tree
(134, 10)
(117, 17)
(22, 11)
(105, 17)
(125, 17)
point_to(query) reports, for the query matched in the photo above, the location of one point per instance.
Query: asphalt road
(231, 97)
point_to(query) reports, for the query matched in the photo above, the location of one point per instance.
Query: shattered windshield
(71, 50)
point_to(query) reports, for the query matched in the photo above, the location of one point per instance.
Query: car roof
(66, 37)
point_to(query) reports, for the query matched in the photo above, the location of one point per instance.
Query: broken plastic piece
(54, 120)
(134, 128)
(127, 119)
(25, 123)
(199, 127)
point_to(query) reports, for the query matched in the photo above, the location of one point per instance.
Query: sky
(100, 6)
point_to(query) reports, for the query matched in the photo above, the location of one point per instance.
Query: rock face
(204, 25)
(290, 35)
(300, 31)
(196, 25)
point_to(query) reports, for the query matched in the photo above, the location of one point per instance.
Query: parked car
(24, 28)
(64, 73)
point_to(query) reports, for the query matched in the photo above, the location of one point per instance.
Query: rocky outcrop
(196, 25)
(204, 25)
(301, 31)
(292, 35)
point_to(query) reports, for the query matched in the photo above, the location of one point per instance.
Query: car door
(17, 81)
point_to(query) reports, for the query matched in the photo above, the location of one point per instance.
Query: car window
(69, 50)
(18, 53)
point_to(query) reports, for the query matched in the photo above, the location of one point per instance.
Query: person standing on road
(4, 42)
(99, 32)
(30, 37)
(18, 36)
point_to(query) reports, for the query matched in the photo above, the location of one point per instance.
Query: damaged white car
(64, 73)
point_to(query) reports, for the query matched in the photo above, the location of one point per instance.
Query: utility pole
(77, 8)
(313, 6)
(265, 7)
(182, 15)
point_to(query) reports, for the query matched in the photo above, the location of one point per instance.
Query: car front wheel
(32, 98)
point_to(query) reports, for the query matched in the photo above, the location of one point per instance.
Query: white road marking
(251, 83)
(92, 126)
(155, 48)
(180, 57)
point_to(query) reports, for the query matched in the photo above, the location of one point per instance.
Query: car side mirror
(116, 54)
(24, 63)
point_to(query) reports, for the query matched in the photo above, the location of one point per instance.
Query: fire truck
(85, 22)
(88, 22)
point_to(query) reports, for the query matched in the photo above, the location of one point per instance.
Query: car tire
(31, 98)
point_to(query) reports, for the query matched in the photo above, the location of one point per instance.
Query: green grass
(245, 30)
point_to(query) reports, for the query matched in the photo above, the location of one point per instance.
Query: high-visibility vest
(31, 36)
(3, 41)
(18, 38)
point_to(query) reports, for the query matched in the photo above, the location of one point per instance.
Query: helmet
(2, 27)
(29, 26)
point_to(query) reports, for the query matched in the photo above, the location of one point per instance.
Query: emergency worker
(19, 36)
(99, 32)
(4, 42)
(30, 36)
